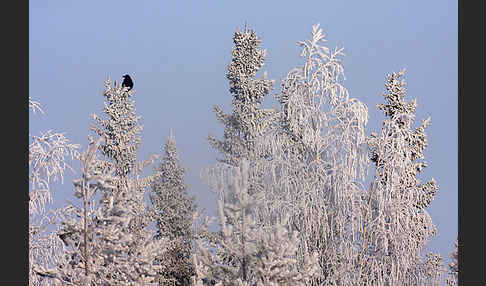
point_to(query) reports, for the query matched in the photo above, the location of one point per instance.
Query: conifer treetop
(402, 113)
(248, 121)
(120, 129)
(174, 212)
(170, 171)
(247, 60)
(395, 96)
(169, 195)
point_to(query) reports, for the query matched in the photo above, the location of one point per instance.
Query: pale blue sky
(177, 53)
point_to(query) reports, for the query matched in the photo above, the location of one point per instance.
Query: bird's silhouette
(127, 82)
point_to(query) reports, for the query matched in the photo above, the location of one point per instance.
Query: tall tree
(246, 126)
(319, 161)
(108, 243)
(174, 211)
(120, 131)
(397, 224)
(248, 121)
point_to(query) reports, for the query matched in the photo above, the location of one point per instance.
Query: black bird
(127, 82)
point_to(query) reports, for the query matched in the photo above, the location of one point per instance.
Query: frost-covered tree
(249, 253)
(121, 133)
(174, 211)
(104, 245)
(248, 121)
(47, 163)
(246, 126)
(236, 249)
(319, 159)
(277, 262)
(48, 155)
(453, 275)
(107, 240)
(396, 223)
(119, 128)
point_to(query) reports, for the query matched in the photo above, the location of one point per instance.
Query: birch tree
(48, 160)
(319, 162)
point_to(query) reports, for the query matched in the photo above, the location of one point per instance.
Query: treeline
(294, 205)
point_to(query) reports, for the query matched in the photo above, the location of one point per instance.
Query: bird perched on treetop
(127, 82)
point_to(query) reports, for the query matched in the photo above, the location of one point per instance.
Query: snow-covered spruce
(106, 238)
(248, 120)
(249, 253)
(397, 225)
(173, 213)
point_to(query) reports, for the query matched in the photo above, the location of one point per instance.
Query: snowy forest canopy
(295, 206)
